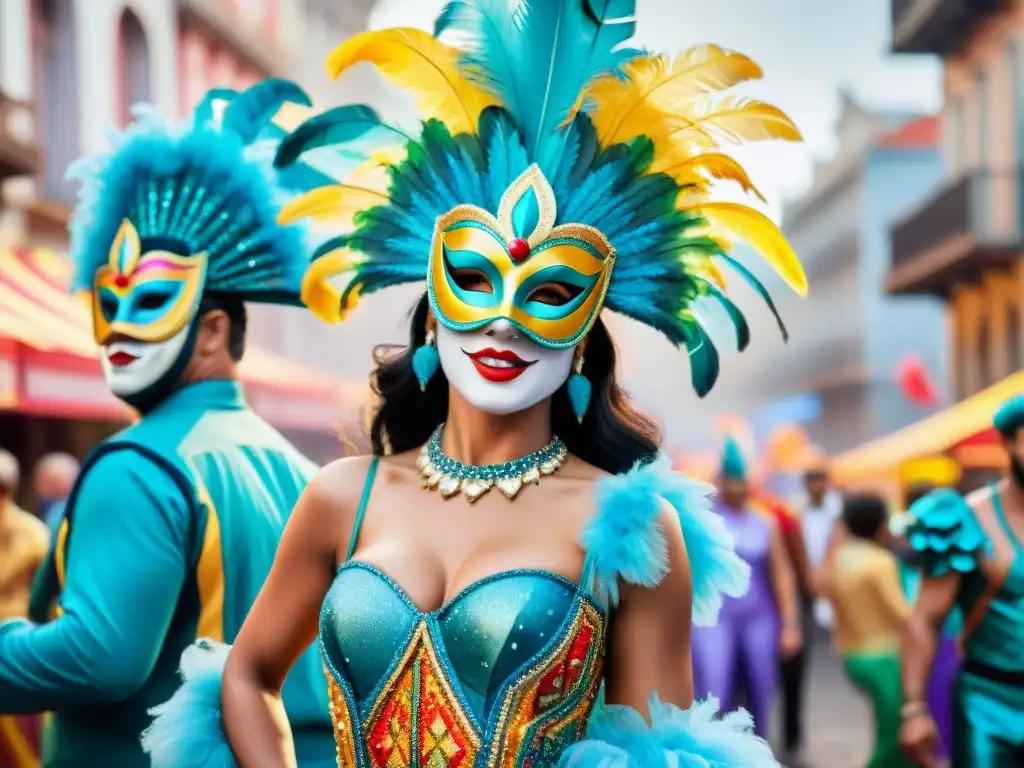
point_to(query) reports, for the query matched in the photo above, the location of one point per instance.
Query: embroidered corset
(503, 675)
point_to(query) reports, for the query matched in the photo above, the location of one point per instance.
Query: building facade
(848, 336)
(963, 244)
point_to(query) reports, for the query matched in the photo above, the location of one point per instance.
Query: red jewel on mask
(121, 281)
(519, 249)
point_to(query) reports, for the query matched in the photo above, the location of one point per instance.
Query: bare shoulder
(980, 499)
(335, 490)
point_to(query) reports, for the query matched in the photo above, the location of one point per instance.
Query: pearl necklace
(441, 473)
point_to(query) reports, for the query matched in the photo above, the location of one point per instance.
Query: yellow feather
(414, 60)
(655, 88)
(732, 119)
(322, 298)
(337, 201)
(716, 275)
(696, 169)
(760, 233)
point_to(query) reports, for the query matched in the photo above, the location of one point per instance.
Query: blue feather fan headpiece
(550, 150)
(208, 187)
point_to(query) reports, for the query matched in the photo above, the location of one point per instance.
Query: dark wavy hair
(613, 436)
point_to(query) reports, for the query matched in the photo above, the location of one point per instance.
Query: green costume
(173, 524)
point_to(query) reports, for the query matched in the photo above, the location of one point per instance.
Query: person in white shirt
(819, 507)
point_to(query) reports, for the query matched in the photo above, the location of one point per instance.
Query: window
(135, 76)
(56, 94)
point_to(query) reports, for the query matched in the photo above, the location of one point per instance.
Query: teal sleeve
(128, 552)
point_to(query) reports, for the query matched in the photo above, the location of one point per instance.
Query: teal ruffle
(187, 730)
(945, 534)
(619, 737)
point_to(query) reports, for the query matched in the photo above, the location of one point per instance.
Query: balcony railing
(940, 27)
(971, 223)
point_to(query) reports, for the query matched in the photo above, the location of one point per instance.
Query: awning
(964, 429)
(49, 364)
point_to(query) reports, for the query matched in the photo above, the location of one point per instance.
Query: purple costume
(744, 645)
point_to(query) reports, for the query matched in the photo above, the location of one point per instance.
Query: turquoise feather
(356, 127)
(580, 390)
(249, 112)
(425, 362)
(207, 189)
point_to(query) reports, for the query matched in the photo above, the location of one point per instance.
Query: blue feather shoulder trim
(619, 737)
(626, 543)
(187, 730)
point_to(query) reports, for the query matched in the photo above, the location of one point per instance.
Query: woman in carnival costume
(972, 556)
(516, 540)
(757, 629)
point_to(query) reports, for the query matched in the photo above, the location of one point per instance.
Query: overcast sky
(809, 49)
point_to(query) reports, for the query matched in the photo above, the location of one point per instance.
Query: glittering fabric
(341, 717)
(504, 674)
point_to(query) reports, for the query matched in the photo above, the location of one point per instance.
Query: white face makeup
(131, 367)
(499, 370)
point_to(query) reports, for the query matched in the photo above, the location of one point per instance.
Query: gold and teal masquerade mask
(516, 253)
(145, 296)
(550, 152)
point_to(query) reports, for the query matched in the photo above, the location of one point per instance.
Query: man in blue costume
(972, 554)
(172, 527)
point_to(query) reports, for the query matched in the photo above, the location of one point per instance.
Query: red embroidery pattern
(576, 662)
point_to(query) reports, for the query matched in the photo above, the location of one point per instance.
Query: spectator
(862, 581)
(55, 475)
(23, 544)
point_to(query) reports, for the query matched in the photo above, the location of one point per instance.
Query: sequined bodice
(503, 674)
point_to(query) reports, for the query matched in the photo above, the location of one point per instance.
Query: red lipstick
(121, 358)
(499, 366)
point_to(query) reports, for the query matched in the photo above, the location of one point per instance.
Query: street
(837, 720)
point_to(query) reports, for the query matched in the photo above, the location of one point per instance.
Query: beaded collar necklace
(444, 474)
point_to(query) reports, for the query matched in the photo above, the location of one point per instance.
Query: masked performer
(755, 630)
(919, 477)
(971, 551)
(515, 539)
(173, 524)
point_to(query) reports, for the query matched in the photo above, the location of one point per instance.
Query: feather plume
(654, 88)
(249, 113)
(696, 170)
(338, 201)
(549, 53)
(731, 119)
(415, 60)
(760, 232)
(354, 129)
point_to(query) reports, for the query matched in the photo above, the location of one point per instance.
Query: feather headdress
(628, 145)
(208, 187)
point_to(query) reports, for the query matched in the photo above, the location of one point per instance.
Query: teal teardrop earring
(426, 360)
(579, 387)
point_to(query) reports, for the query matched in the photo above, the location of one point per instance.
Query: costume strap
(371, 475)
